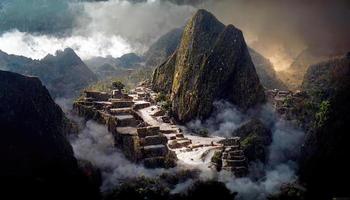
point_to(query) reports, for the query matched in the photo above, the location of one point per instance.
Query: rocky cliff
(36, 158)
(64, 74)
(211, 63)
(325, 162)
(166, 45)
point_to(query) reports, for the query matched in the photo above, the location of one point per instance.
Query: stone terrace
(146, 134)
(139, 141)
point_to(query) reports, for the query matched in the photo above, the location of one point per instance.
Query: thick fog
(281, 166)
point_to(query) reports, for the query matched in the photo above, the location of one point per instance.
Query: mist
(95, 144)
(281, 167)
(224, 120)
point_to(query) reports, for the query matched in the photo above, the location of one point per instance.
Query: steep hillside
(325, 163)
(36, 158)
(166, 45)
(212, 62)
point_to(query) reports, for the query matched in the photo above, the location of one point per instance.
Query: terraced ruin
(147, 135)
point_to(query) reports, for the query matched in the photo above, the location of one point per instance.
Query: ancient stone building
(139, 141)
(233, 158)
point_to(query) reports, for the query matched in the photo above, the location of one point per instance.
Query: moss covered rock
(255, 139)
(211, 63)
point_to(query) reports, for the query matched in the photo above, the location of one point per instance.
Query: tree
(118, 85)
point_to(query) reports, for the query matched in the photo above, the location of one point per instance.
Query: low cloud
(224, 120)
(263, 179)
(96, 145)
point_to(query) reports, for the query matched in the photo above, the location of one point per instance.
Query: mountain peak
(202, 13)
(211, 63)
(206, 18)
(66, 52)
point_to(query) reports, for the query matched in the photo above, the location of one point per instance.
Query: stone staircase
(233, 158)
(153, 145)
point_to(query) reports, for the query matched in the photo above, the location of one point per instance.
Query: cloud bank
(38, 46)
(96, 28)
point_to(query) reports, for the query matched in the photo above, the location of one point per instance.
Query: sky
(278, 29)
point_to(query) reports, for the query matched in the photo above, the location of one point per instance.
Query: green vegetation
(164, 102)
(161, 97)
(287, 102)
(140, 189)
(322, 114)
(289, 191)
(105, 85)
(216, 159)
(156, 189)
(118, 85)
(203, 133)
(129, 81)
(251, 139)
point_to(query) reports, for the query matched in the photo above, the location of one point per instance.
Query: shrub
(118, 85)
(202, 132)
(322, 114)
(216, 159)
(161, 97)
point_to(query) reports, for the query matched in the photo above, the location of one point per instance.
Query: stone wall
(138, 141)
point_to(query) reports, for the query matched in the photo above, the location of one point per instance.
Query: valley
(174, 100)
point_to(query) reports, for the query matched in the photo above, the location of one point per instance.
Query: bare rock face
(35, 155)
(325, 161)
(211, 63)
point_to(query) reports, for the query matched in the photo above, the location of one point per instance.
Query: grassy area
(130, 81)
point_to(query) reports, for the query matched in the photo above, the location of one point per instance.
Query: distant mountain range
(64, 74)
